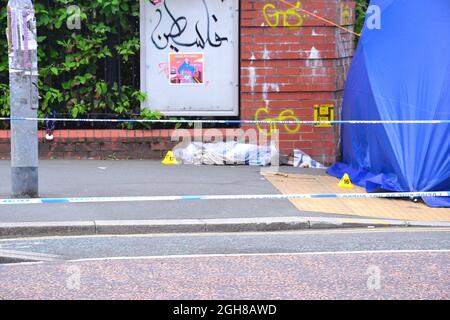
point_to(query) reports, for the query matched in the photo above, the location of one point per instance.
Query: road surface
(339, 264)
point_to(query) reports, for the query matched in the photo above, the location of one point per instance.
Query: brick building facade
(290, 62)
(288, 70)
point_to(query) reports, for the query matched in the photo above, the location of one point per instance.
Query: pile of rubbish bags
(235, 153)
(226, 153)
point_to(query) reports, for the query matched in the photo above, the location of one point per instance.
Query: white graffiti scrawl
(184, 30)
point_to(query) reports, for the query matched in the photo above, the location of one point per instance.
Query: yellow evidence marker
(345, 182)
(169, 159)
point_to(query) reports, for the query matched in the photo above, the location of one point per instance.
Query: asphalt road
(339, 264)
(72, 248)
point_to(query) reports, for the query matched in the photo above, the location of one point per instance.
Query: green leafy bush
(4, 79)
(361, 9)
(72, 62)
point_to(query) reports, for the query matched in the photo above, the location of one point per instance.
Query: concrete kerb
(122, 227)
(39, 229)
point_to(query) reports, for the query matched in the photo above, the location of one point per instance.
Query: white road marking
(244, 255)
(237, 255)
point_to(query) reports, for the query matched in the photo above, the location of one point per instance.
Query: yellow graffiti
(272, 15)
(345, 15)
(285, 115)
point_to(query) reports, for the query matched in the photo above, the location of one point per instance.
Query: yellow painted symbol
(169, 159)
(345, 15)
(345, 182)
(285, 115)
(323, 112)
(272, 16)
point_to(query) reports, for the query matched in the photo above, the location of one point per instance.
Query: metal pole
(23, 78)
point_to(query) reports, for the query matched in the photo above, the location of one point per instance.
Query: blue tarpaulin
(400, 72)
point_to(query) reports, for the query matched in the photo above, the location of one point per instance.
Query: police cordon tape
(305, 122)
(223, 197)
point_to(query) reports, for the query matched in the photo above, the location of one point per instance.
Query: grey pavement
(60, 178)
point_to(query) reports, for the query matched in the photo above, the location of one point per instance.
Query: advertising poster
(186, 68)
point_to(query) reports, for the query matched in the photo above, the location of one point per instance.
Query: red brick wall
(112, 144)
(98, 144)
(293, 68)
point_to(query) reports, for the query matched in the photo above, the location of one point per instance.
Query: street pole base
(24, 182)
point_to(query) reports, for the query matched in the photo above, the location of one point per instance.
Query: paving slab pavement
(90, 178)
(379, 208)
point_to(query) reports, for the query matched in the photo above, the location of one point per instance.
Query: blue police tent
(400, 72)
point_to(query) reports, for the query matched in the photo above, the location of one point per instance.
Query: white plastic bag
(302, 160)
(226, 153)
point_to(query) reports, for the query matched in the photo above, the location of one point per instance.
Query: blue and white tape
(304, 122)
(224, 197)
